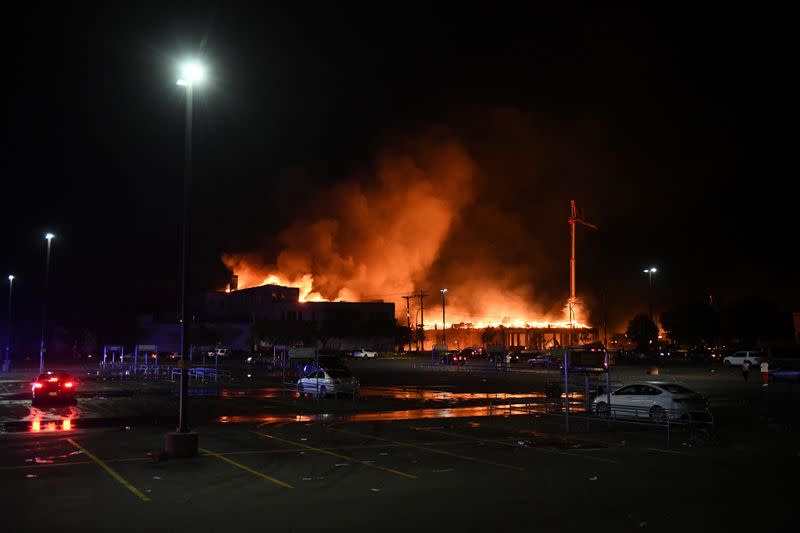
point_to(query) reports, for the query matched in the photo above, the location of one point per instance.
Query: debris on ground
(156, 477)
(524, 443)
(593, 478)
(642, 524)
(31, 475)
(375, 490)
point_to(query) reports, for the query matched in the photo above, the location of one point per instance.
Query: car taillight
(68, 384)
(38, 385)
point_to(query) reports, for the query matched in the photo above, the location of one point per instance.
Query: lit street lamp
(182, 442)
(7, 360)
(49, 237)
(444, 324)
(650, 271)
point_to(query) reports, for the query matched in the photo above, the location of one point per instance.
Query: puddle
(401, 414)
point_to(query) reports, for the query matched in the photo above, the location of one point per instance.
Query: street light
(444, 324)
(182, 442)
(650, 271)
(7, 360)
(49, 237)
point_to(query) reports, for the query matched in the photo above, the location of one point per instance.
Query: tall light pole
(444, 324)
(650, 271)
(49, 237)
(7, 360)
(183, 443)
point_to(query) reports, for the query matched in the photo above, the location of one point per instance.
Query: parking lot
(419, 449)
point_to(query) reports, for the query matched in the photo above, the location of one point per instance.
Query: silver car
(324, 382)
(654, 400)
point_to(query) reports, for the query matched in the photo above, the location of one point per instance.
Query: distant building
(339, 325)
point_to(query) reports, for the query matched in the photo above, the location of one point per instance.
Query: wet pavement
(415, 450)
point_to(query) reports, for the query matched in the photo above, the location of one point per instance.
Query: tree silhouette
(642, 331)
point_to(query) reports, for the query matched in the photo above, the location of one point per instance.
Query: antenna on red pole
(574, 218)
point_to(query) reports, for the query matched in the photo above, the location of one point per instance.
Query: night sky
(661, 124)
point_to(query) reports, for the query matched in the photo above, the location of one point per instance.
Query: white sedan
(333, 381)
(738, 358)
(366, 354)
(656, 400)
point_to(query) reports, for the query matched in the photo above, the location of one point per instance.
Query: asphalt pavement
(420, 448)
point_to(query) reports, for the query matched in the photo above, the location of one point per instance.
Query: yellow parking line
(113, 473)
(246, 468)
(338, 455)
(667, 451)
(427, 449)
(454, 434)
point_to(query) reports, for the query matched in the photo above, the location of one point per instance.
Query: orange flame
(385, 240)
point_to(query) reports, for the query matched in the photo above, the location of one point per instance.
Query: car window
(650, 391)
(676, 389)
(625, 391)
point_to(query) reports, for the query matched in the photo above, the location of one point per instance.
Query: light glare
(192, 72)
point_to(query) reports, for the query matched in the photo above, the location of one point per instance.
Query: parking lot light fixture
(7, 359)
(650, 271)
(49, 237)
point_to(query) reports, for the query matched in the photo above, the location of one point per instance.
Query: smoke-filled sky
(415, 147)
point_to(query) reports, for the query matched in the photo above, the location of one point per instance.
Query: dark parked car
(472, 352)
(538, 359)
(53, 386)
(453, 358)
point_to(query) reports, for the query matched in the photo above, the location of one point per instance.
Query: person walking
(745, 369)
(764, 373)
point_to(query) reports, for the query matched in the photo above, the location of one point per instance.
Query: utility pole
(444, 324)
(422, 296)
(408, 318)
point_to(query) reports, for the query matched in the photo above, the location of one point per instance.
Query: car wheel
(602, 409)
(657, 414)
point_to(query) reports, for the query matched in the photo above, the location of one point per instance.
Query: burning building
(277, 314)
(427, 214)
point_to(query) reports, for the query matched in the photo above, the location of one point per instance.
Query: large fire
(403, 231)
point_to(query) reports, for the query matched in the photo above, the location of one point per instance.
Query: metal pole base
(180, 445)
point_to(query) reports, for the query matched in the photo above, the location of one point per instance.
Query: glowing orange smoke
(385, 239)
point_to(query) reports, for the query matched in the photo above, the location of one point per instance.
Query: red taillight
(38, 385)
(68, 384)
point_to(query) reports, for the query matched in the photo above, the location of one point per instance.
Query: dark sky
(662, 124)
